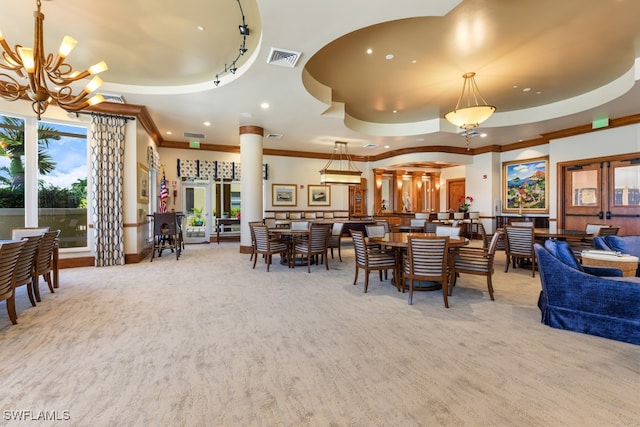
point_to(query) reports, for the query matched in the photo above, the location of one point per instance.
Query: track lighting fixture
(244, 31)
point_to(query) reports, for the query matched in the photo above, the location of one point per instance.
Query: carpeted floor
(208, 341)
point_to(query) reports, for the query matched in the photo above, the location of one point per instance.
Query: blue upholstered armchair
(623, 244)
(575, 300)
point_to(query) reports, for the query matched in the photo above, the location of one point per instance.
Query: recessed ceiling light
(369, 51)
(395, 111)
(483, 135)
(168, 132)
(526, 89)
(386, 146)
(414, 61)
(389, 56)
(264, 105)
(538, 92)
(207, 123)
(200, 27)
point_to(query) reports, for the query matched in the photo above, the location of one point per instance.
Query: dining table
(399, 242)
(289, 236)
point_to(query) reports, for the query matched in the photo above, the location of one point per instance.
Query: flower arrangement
(465, 203)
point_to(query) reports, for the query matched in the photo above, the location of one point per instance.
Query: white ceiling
(578, 57)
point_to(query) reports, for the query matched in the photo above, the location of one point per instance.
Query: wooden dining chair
(315, 247)
(26, 264)
(267, 245)
(9, 253)
(370, 258)
(478, 261)
(519, 247)
(253, 238)
(374, 230)
(43, 265)
(444, 230)
(427, 260)
(335, 239)
(430, 227)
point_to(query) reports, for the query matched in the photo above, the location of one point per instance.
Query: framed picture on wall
(319, 195)
(284, 195)
(143, 183)
(524, 186)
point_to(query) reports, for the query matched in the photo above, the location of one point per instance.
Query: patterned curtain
(107, 164)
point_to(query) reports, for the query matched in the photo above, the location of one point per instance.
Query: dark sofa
(623, 244)
(575, 300)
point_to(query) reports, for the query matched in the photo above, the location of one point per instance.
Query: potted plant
(197, 220)
(465, 203)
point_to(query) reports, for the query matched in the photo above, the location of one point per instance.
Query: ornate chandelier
(46, 80)
(346, 172)
(470, 114)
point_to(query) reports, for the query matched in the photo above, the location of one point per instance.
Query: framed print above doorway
(524, 186)
(284, 195)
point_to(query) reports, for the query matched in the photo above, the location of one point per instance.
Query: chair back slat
(359, 247)
(44, 258)
(9, 253)
(24, 266)
(519, 240)
(427, 257)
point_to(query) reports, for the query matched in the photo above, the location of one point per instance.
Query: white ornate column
(251, 208)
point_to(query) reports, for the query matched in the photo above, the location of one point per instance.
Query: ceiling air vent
(369, 146)
(194, 135)
(283, 57)
(274, 136)
(113, 98)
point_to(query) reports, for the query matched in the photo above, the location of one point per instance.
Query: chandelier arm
(11, 90)
(12, 59)
(477, 94)
(464, 86)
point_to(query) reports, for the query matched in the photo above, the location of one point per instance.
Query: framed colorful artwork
(284, 195)
(524, 186)
(319, 195)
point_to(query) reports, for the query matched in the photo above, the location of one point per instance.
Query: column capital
(254, 130)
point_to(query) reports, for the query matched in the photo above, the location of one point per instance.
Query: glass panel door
(623, 208)
(583, 196)
(197, 225)
(226, 207)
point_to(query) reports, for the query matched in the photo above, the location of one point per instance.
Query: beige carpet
(207, 341)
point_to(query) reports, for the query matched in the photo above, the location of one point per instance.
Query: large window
(56, 164)
(12, 174)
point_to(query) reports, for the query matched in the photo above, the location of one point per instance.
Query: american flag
(164, 193)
